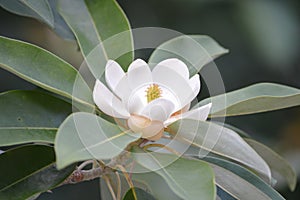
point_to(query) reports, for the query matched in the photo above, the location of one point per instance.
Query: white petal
(152, 130)
(200, 113)
(122, 89)
(186, 108)
(113, 74)
(139, 74)
(183, 110)
(107, 102)
(137, 123)
(171, 120)
(174, 64)
(195, 85)
(135, 104)
(174, 82)
(159, 109)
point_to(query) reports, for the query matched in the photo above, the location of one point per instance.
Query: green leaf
(189, 179)
(261, 97)
(39, 9)
(84, 136)
(94, 22)
(29, 170)
(44, 69)
(219, 140)
(26, 117)
(195, 50)
(276, 162)
(140, 194)
(240, 182)
(60, 26)
(156, 185)
(42, 10)
(242, 133)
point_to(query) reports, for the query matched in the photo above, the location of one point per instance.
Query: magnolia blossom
(149, 100)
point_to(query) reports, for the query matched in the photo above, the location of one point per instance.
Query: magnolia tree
(135, 125)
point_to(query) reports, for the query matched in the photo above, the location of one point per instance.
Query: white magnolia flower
(149, 100)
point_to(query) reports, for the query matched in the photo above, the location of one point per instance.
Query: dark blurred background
(263, 37)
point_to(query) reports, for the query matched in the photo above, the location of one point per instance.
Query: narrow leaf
(44, 69)
(84, 136)
(189, 179)
(92, 24)
(39, 9)
(60, 26)
(240, 182)
(219, 140)
(194, 50)
(261, 97)
(276, 162)
(29, 170)
(26, 117)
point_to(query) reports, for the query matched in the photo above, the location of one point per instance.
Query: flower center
(153, 92)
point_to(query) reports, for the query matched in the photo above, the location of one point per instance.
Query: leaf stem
(119, 186)
(84, 164)
(108, 183)
(128, 179)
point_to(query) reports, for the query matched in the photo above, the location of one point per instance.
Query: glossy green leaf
(44, 69)
(237, 130)
(189, 179)
(261, 97)
(155, 184)
(140, 194)
(240, 182)
(219, 140)
(93, 23)
(242, 133)
(60, 26)
(39, 9)
(42, 10)
(150, 182)
(276, 162)
(194, 50)
(26, 117)
(29, 170)
(84, 136)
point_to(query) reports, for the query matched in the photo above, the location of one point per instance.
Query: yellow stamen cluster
(153, 92)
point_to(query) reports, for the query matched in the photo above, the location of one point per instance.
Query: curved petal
(195, 85)
(152, 130)
(107, 102)
(173, 64)
(183, 110)
(122, 89)
(113, 74)
(135, 104)
(174, 82)
(137, 123)
(159, 109)
(139, 74)
(200, 113)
